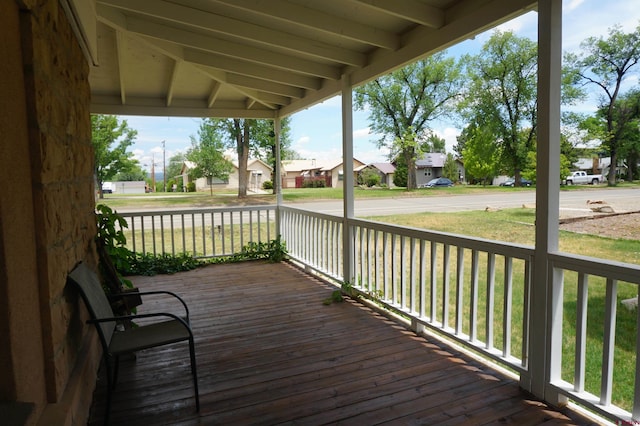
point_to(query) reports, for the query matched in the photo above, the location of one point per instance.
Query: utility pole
(164, 168)
(153, 173)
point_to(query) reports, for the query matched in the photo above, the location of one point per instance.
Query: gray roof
(386, 168)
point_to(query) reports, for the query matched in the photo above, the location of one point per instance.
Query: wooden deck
(269, 352)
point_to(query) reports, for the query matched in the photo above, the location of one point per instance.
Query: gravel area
(623, 225)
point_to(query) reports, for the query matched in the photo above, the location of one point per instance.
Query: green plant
(337, 296)
(191, 187)
(115, 257)
(149, 264)
(267, 184)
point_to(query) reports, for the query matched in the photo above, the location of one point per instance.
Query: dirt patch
(625, 226)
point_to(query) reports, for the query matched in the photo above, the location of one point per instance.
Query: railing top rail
(197, 210)
(597, 267)
(311, 213)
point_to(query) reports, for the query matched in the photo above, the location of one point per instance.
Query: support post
(277, 176)
(546, 299)
(347, 183)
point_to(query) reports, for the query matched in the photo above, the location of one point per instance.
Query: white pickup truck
(583, 177)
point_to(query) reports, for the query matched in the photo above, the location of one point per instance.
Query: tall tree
(481, 154)
(207, 153)
(402, 104)
(502, 95)
(607, 63)
(111, 138)
(249, 137)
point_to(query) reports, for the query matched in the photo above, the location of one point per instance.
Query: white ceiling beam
(239, 29)
(157, 107)
(250, 94)
(301, 15)
(411, 10)
(265, 86)
(176, 53)
(250, 103)
(172, 82)
(227, 48)
(121, 46)
(215, 90)
(238, 66)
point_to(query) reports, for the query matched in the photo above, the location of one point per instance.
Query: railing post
(347, 167)
(546, 309)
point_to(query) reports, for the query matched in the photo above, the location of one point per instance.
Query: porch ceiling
(252, 58)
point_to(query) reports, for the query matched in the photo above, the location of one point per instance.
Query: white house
(257, 173)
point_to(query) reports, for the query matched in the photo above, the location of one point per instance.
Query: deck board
(269, 352)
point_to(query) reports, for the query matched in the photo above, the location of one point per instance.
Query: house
(431, 165)
(257, 173)
(66, 59)
(294, 172)
(385, 170)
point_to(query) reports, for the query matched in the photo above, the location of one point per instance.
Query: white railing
(473, 291)
(476, 292)
(463, 287)
(594, 289)
(199, 232)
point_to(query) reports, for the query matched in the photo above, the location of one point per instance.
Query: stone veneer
(47, 221)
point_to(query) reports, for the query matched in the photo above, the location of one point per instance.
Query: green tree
(173, 170)
(481, 154)
(250, 137)
(400, 175)
(502, 96)
(369, 177)
(433, 143)
(111, 138)
(263, 146)
(607, 63)
(402, 104)
(134, 173)
(206, 153)
(450, 168)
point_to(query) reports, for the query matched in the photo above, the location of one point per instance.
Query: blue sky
(316, 132)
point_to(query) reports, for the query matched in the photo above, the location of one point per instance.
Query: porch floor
(269, 352)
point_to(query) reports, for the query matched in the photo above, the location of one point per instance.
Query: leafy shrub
(267, 184)
(191, 187)
(314, 183)
(369, 178)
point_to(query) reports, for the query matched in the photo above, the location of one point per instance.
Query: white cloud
(571, 5)
(303, 140)
(361, 133)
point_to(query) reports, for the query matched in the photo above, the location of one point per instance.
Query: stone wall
(47, 222)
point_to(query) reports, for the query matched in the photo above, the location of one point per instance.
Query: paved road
(571, 202)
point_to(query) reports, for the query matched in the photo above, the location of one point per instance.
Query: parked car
(584, 178)
(441, 181)
(512, 182)
(107, 188)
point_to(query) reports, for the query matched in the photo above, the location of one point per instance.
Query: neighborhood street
(572, 203)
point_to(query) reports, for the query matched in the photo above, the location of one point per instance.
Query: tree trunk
(613, 168)
(242, 142)
(409, 157)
